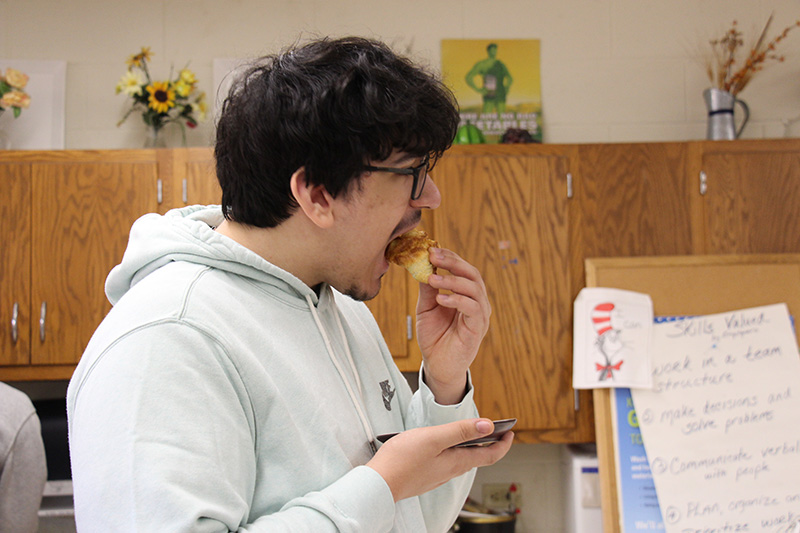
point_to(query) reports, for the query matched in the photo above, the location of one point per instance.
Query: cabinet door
(631, 200)
(390, 309)
(82, 214)
(199, 179)
(507, 215)
(752, 202)
(15, 263)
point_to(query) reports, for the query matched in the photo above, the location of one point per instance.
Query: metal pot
(485, 523)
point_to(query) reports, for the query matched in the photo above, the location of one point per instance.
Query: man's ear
(314, 200)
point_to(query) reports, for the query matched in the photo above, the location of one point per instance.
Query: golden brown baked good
(410, 251)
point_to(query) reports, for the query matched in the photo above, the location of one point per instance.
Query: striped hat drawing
(601, 317)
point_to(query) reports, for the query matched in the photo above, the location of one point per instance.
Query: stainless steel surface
(721, 124)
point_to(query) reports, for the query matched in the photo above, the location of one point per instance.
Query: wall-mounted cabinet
(526, 215)
(66, 219)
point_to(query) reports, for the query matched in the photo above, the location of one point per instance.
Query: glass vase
(5, 139)
(155, 138)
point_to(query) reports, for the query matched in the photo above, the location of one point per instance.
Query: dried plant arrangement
(724, 67)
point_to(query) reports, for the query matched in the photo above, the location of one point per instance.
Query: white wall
(612, 70)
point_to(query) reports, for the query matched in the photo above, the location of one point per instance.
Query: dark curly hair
(331, 106)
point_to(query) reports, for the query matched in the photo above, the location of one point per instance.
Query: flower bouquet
(161, 102)
(730, 73)
(12, 94)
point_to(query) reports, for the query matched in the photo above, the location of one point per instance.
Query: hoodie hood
(187, 234)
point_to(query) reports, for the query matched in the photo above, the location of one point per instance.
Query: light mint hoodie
(219, 395)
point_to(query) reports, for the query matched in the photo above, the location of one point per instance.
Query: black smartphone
(501, 427)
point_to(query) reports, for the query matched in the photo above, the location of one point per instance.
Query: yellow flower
(16, 78)
(138, 59)
(188, 77)
(200, 106)
(162, 96)
(15, 98)
(131, 83)
(183, 89)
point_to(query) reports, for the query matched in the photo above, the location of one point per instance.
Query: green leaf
(17, 111)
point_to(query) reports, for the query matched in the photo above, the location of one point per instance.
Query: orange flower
(16, 78)
(139, 59)
(15, 99)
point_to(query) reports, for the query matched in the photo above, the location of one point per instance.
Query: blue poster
(637, 492)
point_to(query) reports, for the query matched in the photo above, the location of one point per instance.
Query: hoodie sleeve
(139, 465)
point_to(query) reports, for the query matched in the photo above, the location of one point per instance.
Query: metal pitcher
(720, 115)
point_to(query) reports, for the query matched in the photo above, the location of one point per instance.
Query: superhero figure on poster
(496, 81)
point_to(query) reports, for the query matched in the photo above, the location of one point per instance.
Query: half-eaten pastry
(410, 251)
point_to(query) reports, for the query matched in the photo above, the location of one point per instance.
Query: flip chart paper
(722, 423)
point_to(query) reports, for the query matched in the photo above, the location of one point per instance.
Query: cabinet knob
(42, 318)
(14, 322)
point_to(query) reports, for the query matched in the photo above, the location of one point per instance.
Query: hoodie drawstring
(357, 399)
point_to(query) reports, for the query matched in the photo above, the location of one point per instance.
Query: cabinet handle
(185, 192)
(42, 317)
(14, 323)
(159, 191)
(569, 185)
(409, 328)
(577, 400)
(703, 183)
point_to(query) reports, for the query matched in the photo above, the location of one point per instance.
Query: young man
(235, 386)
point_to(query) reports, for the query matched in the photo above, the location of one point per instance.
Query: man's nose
(430, 198)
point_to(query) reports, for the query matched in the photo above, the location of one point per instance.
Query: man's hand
(450, 327)
(419, 460)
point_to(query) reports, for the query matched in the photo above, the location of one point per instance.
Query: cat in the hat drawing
(609, 341)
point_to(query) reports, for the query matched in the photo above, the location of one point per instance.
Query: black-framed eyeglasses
(420, 173)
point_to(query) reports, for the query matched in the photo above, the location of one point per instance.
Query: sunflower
(162, 96)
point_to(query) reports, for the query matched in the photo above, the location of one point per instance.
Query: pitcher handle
(746, 115)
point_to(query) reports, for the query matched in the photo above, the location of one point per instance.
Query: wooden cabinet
(750, 196)
(191, 178)
(506, 212)
(15, 264)
(526, 215)
(504, 208)
(396, 317)
(70, 219)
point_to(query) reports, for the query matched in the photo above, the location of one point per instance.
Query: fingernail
(435, 277)
(484, 426)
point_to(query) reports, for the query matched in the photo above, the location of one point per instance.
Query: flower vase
(155, 138)
(720, 125)
(5, 140)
